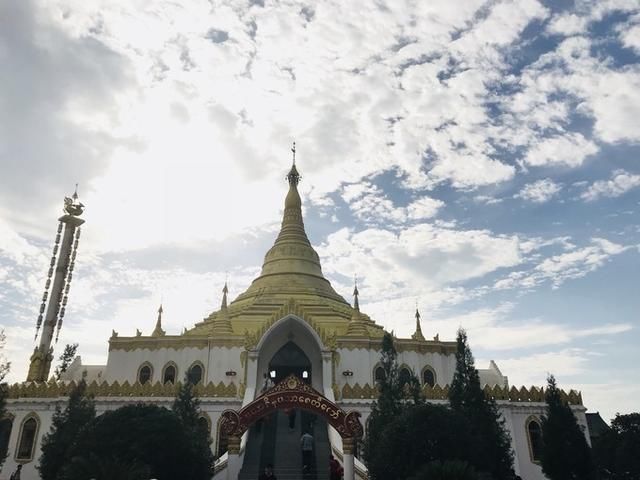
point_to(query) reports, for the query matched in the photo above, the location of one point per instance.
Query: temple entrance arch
(274, 346)
(291, 392)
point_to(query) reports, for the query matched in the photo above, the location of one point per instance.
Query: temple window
(204, 423)
(404, 376)
(144, 374)
(195, 374)
(534, 437)
(378, 374)
(428, 377)
(27, 438)
(169, 374)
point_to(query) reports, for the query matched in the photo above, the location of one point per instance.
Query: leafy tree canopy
(393, 396)
(565, 452)
(65, 359)
(485, 423)
(421, 435)
(66, 425)
(5, 422)
(147, 439)
(186, 406)
(447, 470)
(617, 451)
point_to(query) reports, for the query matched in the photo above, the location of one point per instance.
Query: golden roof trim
(60, 389)
(497, 392)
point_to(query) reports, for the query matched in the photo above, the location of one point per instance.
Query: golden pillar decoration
(348, 445)
(234, 445)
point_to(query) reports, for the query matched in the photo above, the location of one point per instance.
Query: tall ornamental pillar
(348, 463)
(61, 269)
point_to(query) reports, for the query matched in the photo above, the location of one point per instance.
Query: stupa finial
(418, 333)
(225, 290)
(356, 304)
(293, 176)
(158, 331)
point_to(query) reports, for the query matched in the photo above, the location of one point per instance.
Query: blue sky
(479, 158)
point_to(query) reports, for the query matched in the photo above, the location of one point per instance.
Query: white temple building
(289, 324)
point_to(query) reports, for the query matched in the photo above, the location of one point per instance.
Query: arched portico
(292, 393)
(290, 328)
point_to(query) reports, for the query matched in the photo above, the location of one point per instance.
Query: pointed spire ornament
(158, 331)
(356, 304)
(222, 322)
(357, 324)
(418, 334)
(225, 290)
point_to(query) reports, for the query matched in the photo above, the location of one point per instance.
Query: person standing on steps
(306, 444)
(268, 473)
(16, 475)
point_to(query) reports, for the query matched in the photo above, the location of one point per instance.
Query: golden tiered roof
(291, 281)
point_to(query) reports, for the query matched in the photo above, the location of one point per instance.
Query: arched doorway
(291, 393)
(290, 360)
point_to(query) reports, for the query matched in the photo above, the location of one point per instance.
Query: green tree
(65, 359)
(447, 470)
(565, 452)
(419, 436)
(66, 425)
(186, 406)
(5, 422)
(147, 439)
(394, 396)
(466, 397)
(617, 451)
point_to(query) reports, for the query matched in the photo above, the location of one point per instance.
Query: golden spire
(158, 331)
(222, 322)
(225, 290)
(357, 325)
(356, 304)
(418, 334)
(291, 266)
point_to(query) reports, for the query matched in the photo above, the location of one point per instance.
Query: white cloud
(423, 208)
(619, 184)
(569, 150)
(419, 258)
(369, 203)
(576, 263)
(567, 24)
(540, 191)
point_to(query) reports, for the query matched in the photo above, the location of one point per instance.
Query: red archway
(292, 393)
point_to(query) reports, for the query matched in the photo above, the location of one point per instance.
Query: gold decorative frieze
(116, 389)
(522, 395)
(175, 342)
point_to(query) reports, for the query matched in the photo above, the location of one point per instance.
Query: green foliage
(66, 425)
(485, 423)
(5, 423)
(147, 439)
(392, 399)
(617, 451)
(447, 470)
(420, 435)
(565, 452)
(65, 359)
(186, 406)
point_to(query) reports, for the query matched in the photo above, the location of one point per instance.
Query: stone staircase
(273, 442)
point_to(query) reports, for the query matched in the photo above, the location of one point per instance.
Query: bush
(144, 440)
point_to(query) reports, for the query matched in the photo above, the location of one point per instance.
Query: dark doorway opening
(290, 359)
